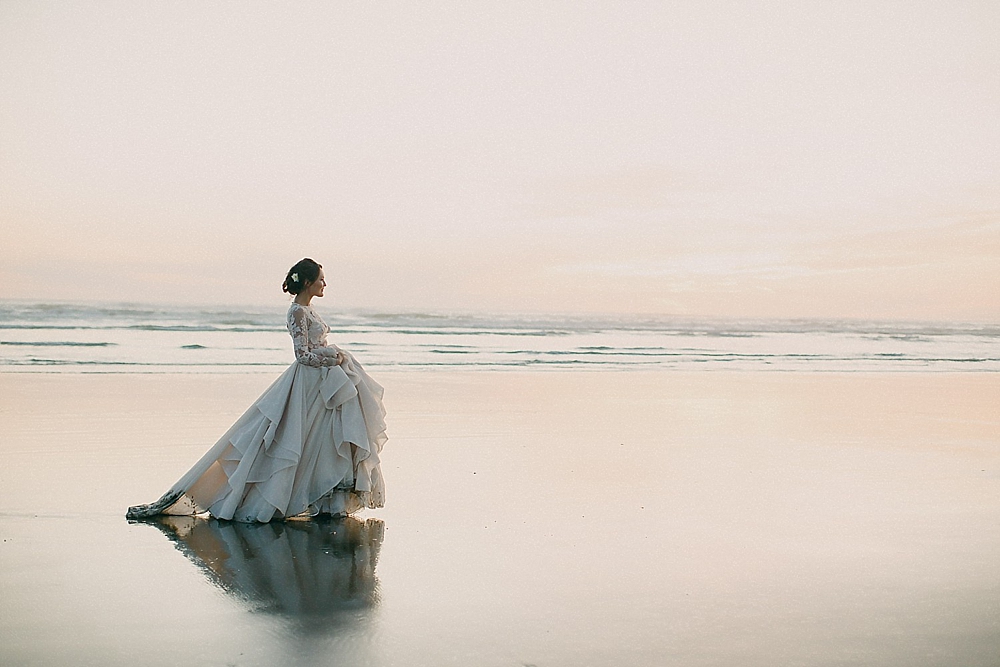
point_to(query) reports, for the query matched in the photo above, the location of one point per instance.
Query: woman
(310, 444)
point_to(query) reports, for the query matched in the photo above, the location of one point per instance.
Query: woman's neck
(302, 300)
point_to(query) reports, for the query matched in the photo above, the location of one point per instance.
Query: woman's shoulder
(298, 311)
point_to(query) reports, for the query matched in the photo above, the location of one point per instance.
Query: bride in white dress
(308, 446)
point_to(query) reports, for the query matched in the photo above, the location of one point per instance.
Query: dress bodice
(308, 331)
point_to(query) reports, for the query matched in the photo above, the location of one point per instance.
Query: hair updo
(304, 272)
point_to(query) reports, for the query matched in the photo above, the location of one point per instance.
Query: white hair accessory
(295, 277)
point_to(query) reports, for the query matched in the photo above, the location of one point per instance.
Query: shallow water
(544, 519)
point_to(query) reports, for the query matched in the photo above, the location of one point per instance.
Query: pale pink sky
(698, 158)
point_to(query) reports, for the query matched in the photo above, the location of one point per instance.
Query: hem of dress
(363, 500)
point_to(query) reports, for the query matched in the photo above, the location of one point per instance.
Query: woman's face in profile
(317, 286)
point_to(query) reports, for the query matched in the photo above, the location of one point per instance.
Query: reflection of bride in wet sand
(315, 570)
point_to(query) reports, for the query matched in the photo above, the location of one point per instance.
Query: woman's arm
(333, 352)
(298, 327)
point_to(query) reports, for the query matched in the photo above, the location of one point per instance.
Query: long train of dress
(309, 445)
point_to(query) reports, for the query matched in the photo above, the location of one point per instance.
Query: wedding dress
(308, 446)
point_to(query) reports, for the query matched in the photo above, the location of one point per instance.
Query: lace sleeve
(298, 327)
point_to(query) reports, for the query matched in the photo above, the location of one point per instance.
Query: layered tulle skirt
(309, 445)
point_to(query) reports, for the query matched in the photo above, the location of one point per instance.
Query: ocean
(137, 338)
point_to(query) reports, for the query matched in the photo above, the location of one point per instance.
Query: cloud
(714, 265)
(626, 191)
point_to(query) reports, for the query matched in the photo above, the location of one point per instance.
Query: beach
(533, 518)
(687, 316)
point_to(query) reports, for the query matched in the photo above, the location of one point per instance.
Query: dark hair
(304, 272)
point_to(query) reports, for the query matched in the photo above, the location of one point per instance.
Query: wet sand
(546, 518)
